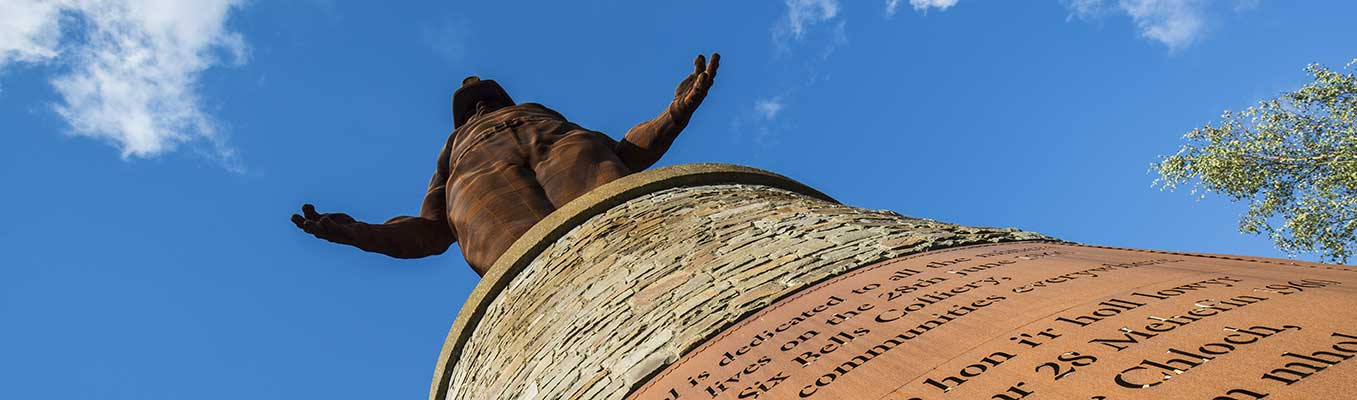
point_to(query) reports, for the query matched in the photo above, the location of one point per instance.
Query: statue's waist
(472, 139)
(504, 115)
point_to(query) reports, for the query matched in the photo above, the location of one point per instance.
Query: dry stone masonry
(628, 291)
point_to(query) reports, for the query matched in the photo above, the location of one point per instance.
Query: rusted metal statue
(505, 167)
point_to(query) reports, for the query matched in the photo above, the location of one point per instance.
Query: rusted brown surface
(1041, 320)
(505, 167)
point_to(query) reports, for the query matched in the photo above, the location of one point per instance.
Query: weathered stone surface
(632, 289)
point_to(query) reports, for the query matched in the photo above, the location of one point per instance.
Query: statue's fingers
(299, 221)
(703, 83)
(310, 211)
(699, 63)
(715, 63)
(336, 219)
(687, 99)
(698, 91)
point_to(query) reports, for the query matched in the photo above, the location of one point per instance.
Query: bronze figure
(505, 167)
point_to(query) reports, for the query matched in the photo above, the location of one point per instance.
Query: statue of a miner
(505, 167)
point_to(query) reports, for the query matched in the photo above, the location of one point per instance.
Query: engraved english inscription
(1036, 319)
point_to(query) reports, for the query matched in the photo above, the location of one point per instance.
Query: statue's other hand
(335, 227)
(694, 88)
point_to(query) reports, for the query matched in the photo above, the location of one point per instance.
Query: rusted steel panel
(1041, 320)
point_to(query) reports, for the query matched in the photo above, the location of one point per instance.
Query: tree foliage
(1292, 158)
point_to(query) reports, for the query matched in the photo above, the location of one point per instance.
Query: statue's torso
(481, 127)
(509, 168)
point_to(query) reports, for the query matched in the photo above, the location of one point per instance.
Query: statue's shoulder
(535, 109)
(530, 106)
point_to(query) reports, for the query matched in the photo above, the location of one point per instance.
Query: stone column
(719, 281)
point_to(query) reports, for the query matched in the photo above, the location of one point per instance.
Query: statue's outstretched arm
(401, 237)
(645, 143)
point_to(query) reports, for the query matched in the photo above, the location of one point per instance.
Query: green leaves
(1293, 159)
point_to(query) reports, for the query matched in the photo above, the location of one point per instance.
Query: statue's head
(474, 94)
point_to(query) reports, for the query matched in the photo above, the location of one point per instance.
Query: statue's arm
(645, 143)
(401, 237)
(413, 236)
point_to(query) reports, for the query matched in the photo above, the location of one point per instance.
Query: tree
(1292, 158)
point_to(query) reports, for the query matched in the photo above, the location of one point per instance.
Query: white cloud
(919, 5)
(1085, 9)
(130, 72)
(1175, 23)
(801, 14)
(810, 23)
(924, 5)
(768, 108)
(28, 31)
(891, 6)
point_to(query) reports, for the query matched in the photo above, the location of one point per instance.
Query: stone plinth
(716, 281)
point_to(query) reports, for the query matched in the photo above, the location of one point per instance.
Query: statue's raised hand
(335, 227)
(694, 88)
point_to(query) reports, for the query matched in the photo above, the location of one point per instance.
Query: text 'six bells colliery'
(506, 166)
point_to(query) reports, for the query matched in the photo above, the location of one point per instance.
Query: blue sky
(152, 151)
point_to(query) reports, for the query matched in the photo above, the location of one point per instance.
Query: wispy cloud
(892, 6)
(448, 37)
(919, 5)
(1175, 23)
(807, 25)
(801, 15)
(924, 5)
(768, 108)
(819, 26)
(1246, 5)
(814, 25)
(130, 67)
(1085, 9)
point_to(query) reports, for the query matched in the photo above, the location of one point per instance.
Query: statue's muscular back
(505, 167)
(511, 167)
